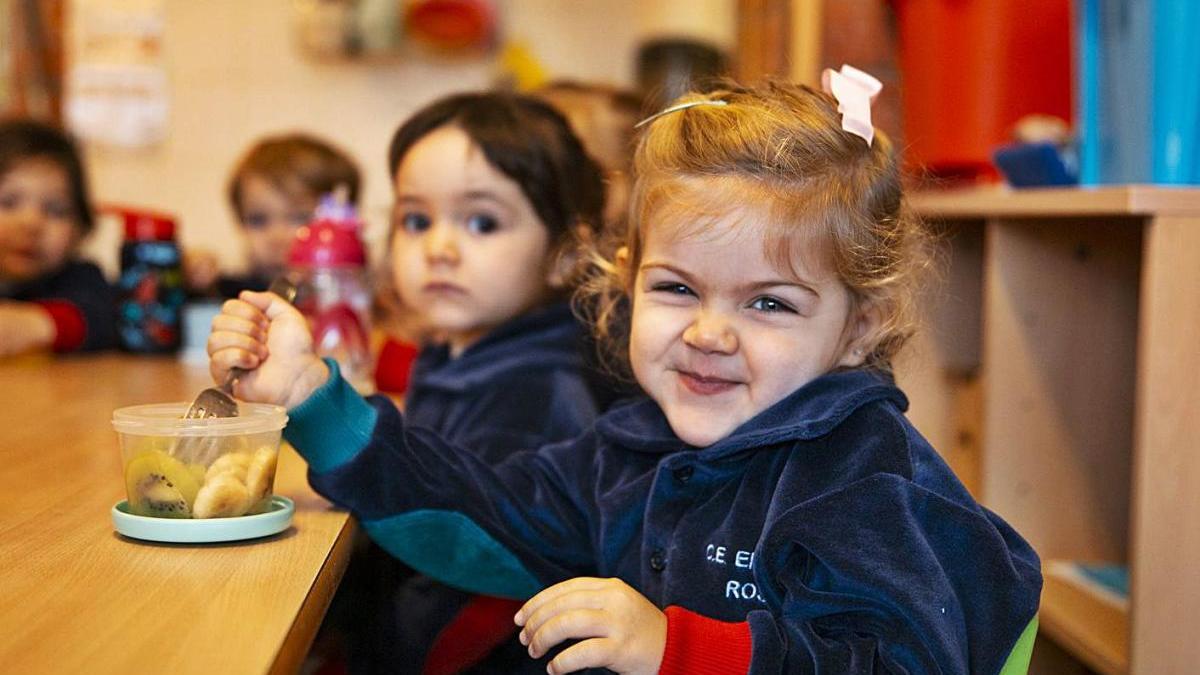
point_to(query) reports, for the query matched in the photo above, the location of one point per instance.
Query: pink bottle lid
(331, 240)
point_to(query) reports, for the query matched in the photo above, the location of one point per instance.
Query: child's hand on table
(268, 337)
(621, 629)
(24, 326)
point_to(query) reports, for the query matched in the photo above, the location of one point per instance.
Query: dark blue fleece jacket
(518, 388)
(82, 286)
(827, 523)
(523, 385)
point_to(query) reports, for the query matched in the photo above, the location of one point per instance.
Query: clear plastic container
(198, 468)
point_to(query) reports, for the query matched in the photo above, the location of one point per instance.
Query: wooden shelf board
(1094, 631)
(1000, 201)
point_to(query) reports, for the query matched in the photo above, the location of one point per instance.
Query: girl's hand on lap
(620, 629)
(270, 338)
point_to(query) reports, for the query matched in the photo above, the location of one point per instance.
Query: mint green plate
(275, 519)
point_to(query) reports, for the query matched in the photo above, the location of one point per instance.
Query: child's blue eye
(9, 202)
(299, 218)
(481, 223)
(672, 287)
(415, 222)
(769, 304)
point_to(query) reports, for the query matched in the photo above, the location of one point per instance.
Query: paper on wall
(116, 86)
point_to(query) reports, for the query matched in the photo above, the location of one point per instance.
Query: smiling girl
(766, 507)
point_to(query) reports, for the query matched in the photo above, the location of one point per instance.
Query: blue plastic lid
(277, 518)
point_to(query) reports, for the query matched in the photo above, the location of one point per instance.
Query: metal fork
(218, 401)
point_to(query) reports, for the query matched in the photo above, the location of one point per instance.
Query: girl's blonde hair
(778, 150)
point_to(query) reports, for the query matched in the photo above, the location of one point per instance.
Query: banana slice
(222, 496)
(260, 475)
(234, 463)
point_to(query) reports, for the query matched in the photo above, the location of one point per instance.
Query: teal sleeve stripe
(330, 427)
(451, 548)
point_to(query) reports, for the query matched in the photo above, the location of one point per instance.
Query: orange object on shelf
(970, 69)
(452, 24)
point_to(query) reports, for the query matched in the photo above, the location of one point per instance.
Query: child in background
(603, 118)
(767, 506)
(492, 192)
(48, 298)
(273, 191)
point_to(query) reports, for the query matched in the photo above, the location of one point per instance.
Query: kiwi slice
(160, 486)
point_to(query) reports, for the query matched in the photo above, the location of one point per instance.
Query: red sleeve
(703, 646)
(483, 624)
(70, 328)
(394, 366)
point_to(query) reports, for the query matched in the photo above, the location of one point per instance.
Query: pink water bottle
(328, 262)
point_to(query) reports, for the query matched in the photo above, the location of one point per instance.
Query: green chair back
(1018, 658)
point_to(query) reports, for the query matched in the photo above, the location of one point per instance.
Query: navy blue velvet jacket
(518, 388)
(826, 522)
(84, 286)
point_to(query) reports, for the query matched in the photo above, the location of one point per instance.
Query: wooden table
(77, 597)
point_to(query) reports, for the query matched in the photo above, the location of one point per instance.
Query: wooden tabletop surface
(77, 597)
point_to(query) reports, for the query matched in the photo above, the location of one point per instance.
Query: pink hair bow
(854, 91)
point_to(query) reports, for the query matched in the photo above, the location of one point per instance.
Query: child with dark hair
(49, 299)
(603, 117)
(493, 194)
(273, 191)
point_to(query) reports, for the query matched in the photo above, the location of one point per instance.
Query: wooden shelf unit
(1097, 632)
(1058, 374)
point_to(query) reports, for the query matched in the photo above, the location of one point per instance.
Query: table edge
(308, 619)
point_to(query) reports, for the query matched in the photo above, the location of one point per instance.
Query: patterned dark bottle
(150, 291)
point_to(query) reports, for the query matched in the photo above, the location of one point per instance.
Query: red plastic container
(970, 69)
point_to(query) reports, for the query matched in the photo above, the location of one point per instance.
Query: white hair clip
(854, 91)
(676, 108)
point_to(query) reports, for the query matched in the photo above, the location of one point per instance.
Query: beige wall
(235, 75)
